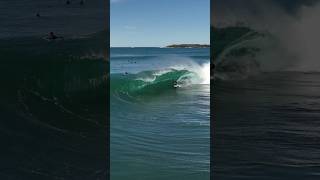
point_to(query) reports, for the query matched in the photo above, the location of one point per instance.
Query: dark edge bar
(211, 90)
(107, 58)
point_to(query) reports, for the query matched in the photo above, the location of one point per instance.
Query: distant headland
(188, 46)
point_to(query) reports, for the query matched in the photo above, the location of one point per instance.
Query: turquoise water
(159, 131)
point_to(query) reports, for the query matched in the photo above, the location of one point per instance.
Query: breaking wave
(156, 82)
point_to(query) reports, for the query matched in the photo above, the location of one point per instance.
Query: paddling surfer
(52, 36)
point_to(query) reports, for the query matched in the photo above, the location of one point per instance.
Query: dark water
(53, 108)
(53, 118)
(267, 127)
(266, 116)
(158, 131)
(18, 17)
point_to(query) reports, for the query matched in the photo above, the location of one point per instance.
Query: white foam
(201, 70)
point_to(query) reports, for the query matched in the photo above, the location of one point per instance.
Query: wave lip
(159, 81)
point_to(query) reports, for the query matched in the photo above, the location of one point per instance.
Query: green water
(159, 131)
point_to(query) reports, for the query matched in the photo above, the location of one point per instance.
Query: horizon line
(160, 46)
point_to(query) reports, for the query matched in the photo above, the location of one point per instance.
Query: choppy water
(158, 131)
(266, 116)
(53, 108)
(267, 127)
(53, 121)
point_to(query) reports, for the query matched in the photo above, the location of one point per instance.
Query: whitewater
(160, 109)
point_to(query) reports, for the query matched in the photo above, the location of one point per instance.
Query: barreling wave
(236, 55)
(149, 83)
(247, 53)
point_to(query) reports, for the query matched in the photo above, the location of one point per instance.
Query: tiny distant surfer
(175, 84)
(51, 37)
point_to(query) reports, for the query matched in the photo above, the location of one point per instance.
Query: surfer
(51, 36)
(175, 84)
(38, 15)
(81, 2)
(68, 2)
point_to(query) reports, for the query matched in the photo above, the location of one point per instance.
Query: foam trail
(205, 73)
(201, 70)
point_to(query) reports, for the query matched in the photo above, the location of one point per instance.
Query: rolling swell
(236, 55)
(53, 103)
(247, 52)
(147, 83)
(241, 52)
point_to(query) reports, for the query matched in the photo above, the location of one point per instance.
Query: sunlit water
(162, 133)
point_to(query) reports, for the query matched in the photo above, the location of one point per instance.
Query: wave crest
(159, 81)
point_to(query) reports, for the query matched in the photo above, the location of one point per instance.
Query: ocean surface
(53, 93)
(18, 17)
(266, 112)
(53, 109)
(160, 114)
(267, 127)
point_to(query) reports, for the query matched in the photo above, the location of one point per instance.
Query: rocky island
(188, 46)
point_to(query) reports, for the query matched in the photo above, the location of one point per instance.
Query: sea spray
(146, 83)
(289, 43)
(201, 71)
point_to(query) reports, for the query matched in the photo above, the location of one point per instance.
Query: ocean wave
(247, 52)
(72, 73)
(156, 82)
(242, 52)
(36, 47)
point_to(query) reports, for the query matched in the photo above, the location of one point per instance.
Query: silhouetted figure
(68, 2)
(81, 2)
(175, 84)
(52, 36)
(38, 15)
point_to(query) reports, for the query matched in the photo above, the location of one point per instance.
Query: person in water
(38, 15)
(52, 36)
(81, 2)
(175, 84)
(68, 2)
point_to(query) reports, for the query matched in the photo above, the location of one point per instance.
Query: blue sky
(157, 23)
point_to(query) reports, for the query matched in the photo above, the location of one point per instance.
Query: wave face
(53, 94)
(247, 52)
(148, 83)
(159, 108)
(236, 56)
